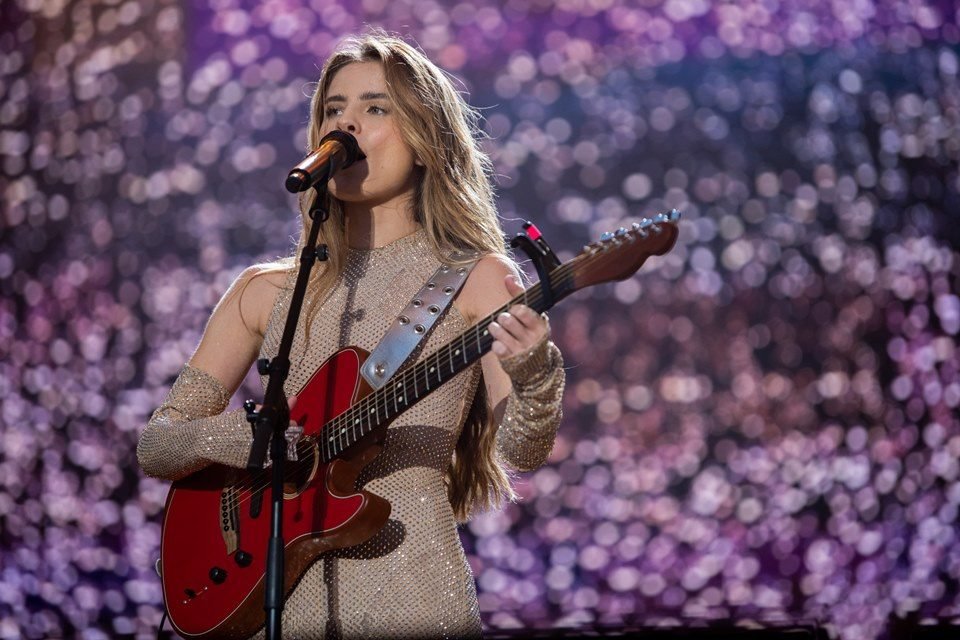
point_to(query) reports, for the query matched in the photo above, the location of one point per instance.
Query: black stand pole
(271, 420)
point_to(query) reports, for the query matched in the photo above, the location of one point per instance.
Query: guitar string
(341, 427)
(338, 424)
(560, 273)
(306, 444)
(380, 400)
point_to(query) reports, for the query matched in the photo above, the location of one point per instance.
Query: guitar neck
(614, 257)
(415, 383)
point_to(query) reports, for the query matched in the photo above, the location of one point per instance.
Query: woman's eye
(331, 111)
(376, 110)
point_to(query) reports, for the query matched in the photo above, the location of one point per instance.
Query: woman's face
(358, 102)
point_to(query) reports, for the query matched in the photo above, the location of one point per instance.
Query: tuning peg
(620, 232)
(606, 235)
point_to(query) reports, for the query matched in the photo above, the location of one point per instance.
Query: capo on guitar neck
(532, 242)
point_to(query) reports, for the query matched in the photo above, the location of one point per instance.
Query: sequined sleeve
(190, 431)
(532, 415)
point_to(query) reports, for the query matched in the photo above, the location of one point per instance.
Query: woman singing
(421, 193)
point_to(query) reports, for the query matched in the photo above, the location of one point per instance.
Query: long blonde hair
(452, 200)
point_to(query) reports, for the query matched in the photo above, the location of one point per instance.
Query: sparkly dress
(412, 578)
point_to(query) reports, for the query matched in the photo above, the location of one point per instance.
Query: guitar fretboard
(621, 253)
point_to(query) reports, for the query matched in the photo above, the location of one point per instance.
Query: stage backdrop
(761, 425)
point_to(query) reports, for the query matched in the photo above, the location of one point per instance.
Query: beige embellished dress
(412, 579)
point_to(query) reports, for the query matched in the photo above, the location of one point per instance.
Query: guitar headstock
(618, 255)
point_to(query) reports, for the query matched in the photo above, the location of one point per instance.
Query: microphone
(338, 150)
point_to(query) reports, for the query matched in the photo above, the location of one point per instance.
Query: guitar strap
(418, 319)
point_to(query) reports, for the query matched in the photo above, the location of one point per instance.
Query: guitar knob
(242, 558)
(218, 575)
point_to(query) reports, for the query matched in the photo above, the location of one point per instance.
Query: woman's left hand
(519, 329)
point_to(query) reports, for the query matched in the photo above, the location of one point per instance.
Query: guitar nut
(434, 309)
(404, 320)
(448, 290)
(417, 302)
(419, 328)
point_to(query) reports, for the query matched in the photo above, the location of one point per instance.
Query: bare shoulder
(234, 333)
(485, 290)
(256, 290)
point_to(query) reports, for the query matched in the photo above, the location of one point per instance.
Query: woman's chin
(346, 190)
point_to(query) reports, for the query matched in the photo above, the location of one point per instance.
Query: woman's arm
(523, 373)
(189, 431)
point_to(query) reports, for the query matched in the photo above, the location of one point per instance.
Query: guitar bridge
(230, 515)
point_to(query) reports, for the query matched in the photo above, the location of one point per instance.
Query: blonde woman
(421, 193)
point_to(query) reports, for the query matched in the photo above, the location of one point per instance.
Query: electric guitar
(217, 521)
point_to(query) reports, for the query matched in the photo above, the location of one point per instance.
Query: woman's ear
(417, 162)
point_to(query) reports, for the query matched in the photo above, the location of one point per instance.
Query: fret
(463, 346)
(427, 378)
(332, 435)
(416, 392)
(450, 358)
(395, 407)
(476, 332)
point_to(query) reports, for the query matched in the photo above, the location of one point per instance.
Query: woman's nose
(346, 123)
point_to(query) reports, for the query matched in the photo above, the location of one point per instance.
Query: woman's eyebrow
(367, 95)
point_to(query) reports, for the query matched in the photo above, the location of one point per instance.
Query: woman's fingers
(514, 286)
(519, 329)
(506, 342)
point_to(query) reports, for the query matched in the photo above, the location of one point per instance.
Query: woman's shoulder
(267, 276)
(257, 288)
(485, 289)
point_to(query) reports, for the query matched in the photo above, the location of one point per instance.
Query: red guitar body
(217, 522)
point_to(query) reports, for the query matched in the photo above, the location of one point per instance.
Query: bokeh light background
(761, 425)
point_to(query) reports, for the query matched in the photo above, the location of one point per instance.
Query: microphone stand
(270, 422)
